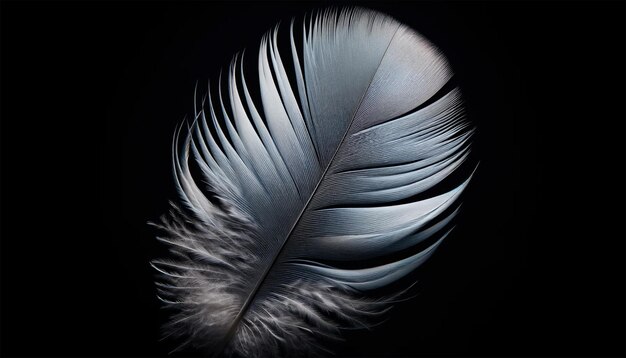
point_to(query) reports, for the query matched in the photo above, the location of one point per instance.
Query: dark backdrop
(91, 93)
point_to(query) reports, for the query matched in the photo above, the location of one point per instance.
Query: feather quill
(303, 205)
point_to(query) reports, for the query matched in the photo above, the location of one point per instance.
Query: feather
(296, 207)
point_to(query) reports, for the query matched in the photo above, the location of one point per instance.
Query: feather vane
(303, 201)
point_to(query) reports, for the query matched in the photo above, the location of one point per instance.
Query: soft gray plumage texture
(302, 204)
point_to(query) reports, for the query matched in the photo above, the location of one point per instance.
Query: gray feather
(323, 169)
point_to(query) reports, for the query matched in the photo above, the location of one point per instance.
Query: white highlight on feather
(302, 180)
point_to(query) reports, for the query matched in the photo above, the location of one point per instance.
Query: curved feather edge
(279, 245)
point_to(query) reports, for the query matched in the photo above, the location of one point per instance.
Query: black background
(91, 93)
